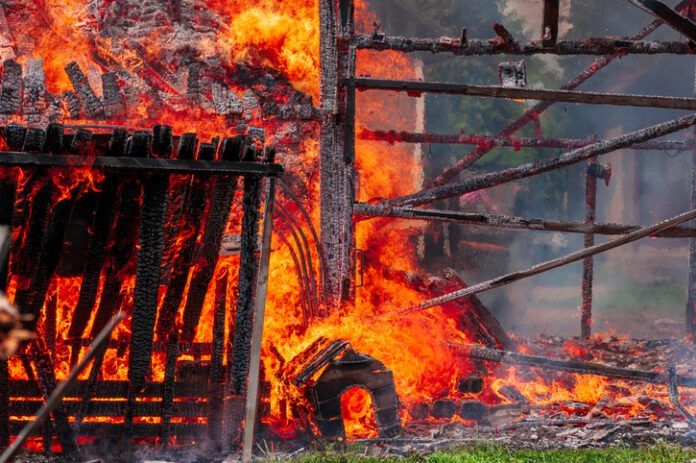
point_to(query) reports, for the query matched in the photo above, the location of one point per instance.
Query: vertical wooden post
(216, 380)
(588, 262)
(336, 147)
(691, 300)
(549, 28)
(252, 390)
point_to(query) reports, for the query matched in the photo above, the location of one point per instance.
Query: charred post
(336, 169)
(94, 108)
(11, 98)
(248, 275)
(588, 262)
(149, 263)
(218, 213)
(549, 27)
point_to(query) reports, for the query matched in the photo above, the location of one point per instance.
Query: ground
(660, 453)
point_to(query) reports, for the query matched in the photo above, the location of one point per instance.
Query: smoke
(530, 14)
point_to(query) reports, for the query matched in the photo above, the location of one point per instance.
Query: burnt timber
(551, 264)
(572, 366)
(481, 47)
(562, 96)
(364, 211)
(535, 168)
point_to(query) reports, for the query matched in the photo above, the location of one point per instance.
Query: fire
(282, 36)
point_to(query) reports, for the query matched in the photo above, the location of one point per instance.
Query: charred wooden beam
(365, 210)
(690, 318)
(248, 278)
(56, 228)
(564, 96)
(474, 317)
(32, 210)
(148, 165)
(679, 23)
(121, 251)
(506, 36)
(571, 366)
(11, 98)
(8, 189)
(532, 115)
(479, 182)
(114, 100)
(169, 386)
(673, 393)
(549, 26)
(551, 264)
(320, 360)
(45, 371)
(477, 47)
(485, 141)
(73, 103)
(258, 300)
(218, 214)
(107, 389)
(93, 106)
(192, 221)
(188, 408)
(149, 261)
(337, 60)
(216, 381)
(105, 212)
(34, 89)
(588, 262)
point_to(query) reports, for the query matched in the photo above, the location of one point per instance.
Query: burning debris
(141, 145)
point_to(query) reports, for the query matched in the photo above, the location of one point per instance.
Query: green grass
(492, 454)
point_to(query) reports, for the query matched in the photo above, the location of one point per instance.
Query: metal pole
(257, 329)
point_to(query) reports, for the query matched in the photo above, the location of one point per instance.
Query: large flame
(283, 36)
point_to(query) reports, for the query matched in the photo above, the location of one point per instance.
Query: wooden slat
(108, 389)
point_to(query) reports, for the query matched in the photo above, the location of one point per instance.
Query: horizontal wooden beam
(364, 210)
(142, 165)
(416, 88)
(480, 47)
(392, 136)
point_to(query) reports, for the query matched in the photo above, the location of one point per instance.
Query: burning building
(227, 182)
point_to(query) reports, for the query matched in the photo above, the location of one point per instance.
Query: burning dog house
(200, 169)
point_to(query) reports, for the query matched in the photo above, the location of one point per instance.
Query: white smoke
(530, 13)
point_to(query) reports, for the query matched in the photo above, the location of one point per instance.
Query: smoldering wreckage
(181, 220)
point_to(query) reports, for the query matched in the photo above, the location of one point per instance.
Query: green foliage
(498, 454)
